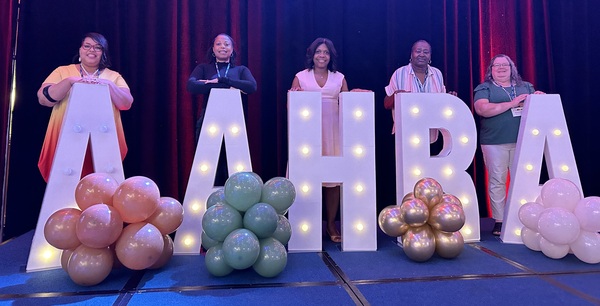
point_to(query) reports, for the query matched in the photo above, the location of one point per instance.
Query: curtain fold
(156, 44)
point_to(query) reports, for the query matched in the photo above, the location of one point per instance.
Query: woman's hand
(537, 92)
(452, 92)
(296, 88)
(213, 81)
(519, 100)
(360, 90)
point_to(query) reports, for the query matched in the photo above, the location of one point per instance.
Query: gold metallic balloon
(446, 217)
(449, 198)
(408, 196)
(419, 243)
(448, 245)
(391, 222)
(414, 212)
(429, 191)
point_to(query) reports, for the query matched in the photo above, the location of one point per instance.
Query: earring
(429, 62)
(80, 59)
(213, 54)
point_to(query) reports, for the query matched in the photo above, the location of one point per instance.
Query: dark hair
(211, 56)
(310, 54)
(101, 40)
(514, 74)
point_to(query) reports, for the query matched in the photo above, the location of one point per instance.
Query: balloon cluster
(428, 220)
(244, 225)
(560, 222)
(125, 224)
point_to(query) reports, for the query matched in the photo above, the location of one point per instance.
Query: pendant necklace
(219, 73)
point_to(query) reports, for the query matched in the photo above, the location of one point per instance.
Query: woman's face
(501, 69)
(321, 57)
(90, 53)
(222, 48)
(421, 54)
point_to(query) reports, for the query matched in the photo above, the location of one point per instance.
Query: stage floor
(488, 272)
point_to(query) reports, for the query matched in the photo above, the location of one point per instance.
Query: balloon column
(116, 224)
(244, 225)
(427, 220)
(560, 221)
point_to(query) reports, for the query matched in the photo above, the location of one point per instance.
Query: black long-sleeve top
(236, 76)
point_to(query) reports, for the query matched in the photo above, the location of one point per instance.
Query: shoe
(497, 229)
(334, 237)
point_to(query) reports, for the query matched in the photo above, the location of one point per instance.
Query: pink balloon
(166, 254)
(588, 214)
(95, 188)
(558, 225)
(136, 199)
(529, 214)
(64, 258)
(99, 226)
(89, 266)
(559, 192)
(60, 228)
(587, 247)
(168, 215)
(140, 246)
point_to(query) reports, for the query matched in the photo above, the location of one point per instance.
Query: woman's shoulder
(484, 85)
(302, 72)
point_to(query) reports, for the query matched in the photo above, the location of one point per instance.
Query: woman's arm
(246, 82)
(296, 85)
(56, 91)
(120, 96)
(484, 108)
(197, 84)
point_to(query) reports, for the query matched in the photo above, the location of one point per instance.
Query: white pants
(498, 160)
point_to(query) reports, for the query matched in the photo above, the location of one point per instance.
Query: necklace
(87, 74)
(512, 94)
(219, 73)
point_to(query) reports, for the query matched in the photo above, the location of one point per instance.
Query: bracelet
(47, 95)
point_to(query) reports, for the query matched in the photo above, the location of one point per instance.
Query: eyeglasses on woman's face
(87, 47)
(500, 65)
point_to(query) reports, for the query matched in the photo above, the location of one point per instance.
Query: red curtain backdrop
(156, 44)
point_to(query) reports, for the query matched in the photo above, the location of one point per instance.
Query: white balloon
(587, 247)
(529, 214)
(558, 225)
(559, 192)
(539, 200)
(531, 238)
(587, 212)
(555, 251)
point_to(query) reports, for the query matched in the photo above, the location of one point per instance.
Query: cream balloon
(136, 199)
(60, 228)
(95, 188)
(391, 222)
(419, 243)
(89, 266)
(168, 215)
(414, 212)
(429, 191)
(140, 246)
(448, 245)
(99, 226)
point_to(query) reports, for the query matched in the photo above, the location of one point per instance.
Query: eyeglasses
(96, 48)
(501, 65)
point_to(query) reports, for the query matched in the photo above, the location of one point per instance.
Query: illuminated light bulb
(212, 129)
(415, 110)
(358, 150)
(464, 201)
(47, 254)
(360, 188)
(529, 167)
(467, 230)
(304, 227)
(448, 113)
(203, 167)
(448, 171)
(305, 188)
(518, 232)
(235, 130)
(195, 207)
(523, 201)
(188, 241)
(360, 227)
(358, 114)
(305, 150)
(535, 132)
(417, 172)
(305, 113)
(416, 140)
(464, 139)
(564, 168)
(239, 168)
(557, 132)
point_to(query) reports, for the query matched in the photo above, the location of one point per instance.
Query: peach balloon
(140, 246)
(89, 266)
(168, 215)
(136, 199)
(64, 258)
(166, 254)
(99, 226)
(59, 229)
(95, 188)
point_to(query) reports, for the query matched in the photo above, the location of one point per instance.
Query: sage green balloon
(218, 196)
(241, 249)
(272, 258)
(208, 242)
(242, 190)
(261, 219)
(215, 262)
(283, 232)
(280, 193)
(220, 220)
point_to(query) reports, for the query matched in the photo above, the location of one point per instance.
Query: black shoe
(497, 229)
